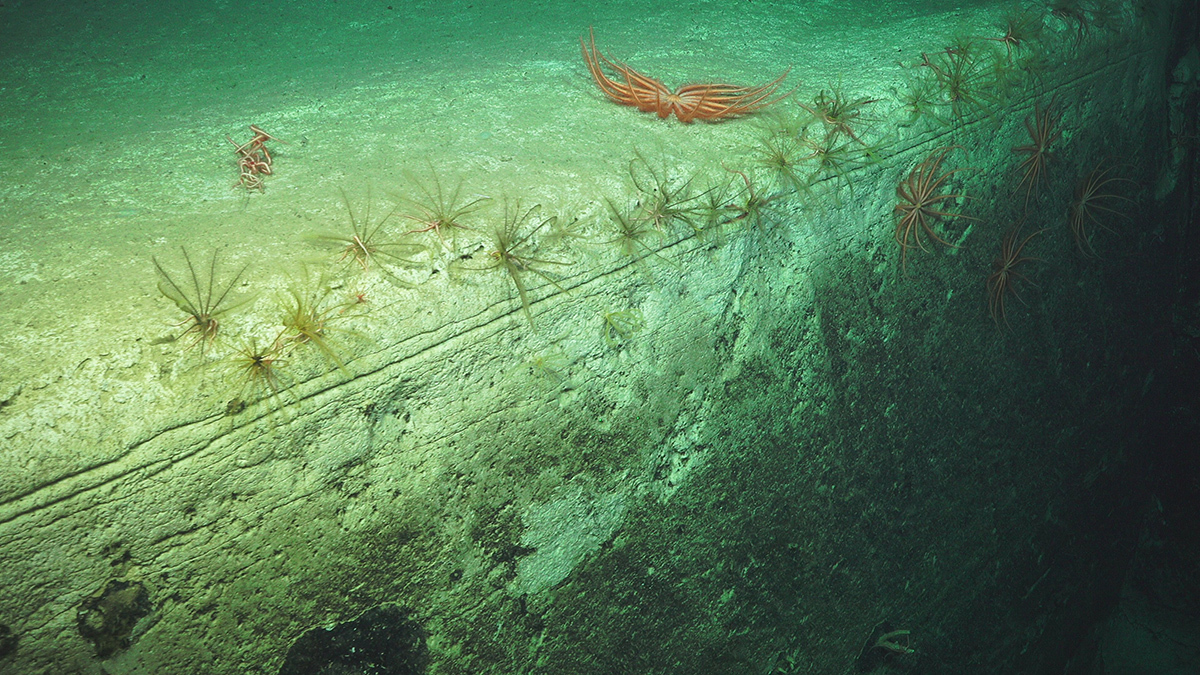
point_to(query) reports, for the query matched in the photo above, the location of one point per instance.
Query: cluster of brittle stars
(254, 160)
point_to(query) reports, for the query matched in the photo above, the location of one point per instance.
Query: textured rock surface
(803, 449)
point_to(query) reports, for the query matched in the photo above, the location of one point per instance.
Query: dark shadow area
(382, 641)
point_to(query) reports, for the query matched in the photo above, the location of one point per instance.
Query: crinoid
(438, 210)
(962, 74)
(257, 373)
(919, 96)
(714, 211)
(662, 200)
(515, 248)
(1020, 27)
(619, 326)
(1079, 16)
(201, 297)
(753, 208)
(362, 243)
(921, 201)
(1071, 12)
(566, 230)
(708, 102)
(631, 234)
(833, 159)
(312, 315)
(1041, 126)
(783, 156)
(1000, 283)
(551, 365)
(839, 114)
(1093, 200)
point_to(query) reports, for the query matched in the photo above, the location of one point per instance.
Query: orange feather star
(708, 102)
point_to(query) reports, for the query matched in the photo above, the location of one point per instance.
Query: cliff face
(854, 383)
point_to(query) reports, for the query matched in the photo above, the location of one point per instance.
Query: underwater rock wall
(772, 447)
